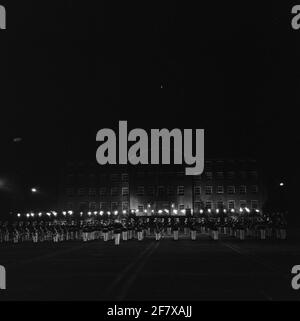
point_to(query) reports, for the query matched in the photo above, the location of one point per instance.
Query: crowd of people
(138, 228)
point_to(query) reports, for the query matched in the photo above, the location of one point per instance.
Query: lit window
(220, 189)
(125, 191)
(180, 190)
(140, 191)
(208, 205)
(114, 191)
(231, 205)
(231, 190)
(208, 190)
(254, 189)
(197, 190)
(242, 189)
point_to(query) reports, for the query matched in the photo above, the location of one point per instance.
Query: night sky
(70, 70)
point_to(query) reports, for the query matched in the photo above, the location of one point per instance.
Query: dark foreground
(166, 270)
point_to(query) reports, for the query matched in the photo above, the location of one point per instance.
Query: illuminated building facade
(225, 185)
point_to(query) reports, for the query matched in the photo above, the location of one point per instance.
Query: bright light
(95, 213)
(19, 215)
(224, 210)
(167, 211)
(116, 212)
(281, 184)
(81, 213)
(175, 211)
(32, 214)
(89, 213)
(28, 215)
(217, 210)
(149, 205)
(70, 212)
(64, 213)
(101, 213)
(172, 205)
(49, 214)
(232, 210)
(160, 211)
(257, 211)
(201, 211)
(247, 210)
(108, 213)
(241, 210)
(152, 211)
(124, 212)
(182, 211)
(209, 210)
(33, 190)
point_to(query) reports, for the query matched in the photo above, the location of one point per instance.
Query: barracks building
(225, 185)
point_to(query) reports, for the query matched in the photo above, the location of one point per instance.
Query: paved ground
(167, 270)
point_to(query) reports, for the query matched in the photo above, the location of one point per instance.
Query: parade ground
(226, 269)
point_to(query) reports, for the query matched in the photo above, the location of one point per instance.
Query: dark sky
(70, 69)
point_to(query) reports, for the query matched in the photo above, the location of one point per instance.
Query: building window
(208, 176)
(208, 190)
(208, 205)
(125, 206)
(114, 206)
(220, 175)
(198, 206)
(141, 208)
(125, 191)
(82, 206)
(81, 192)
(197, 190)
(150, 190)
(70, 191)
(231, 175)
(243, 204)
(254, 189)
(92, 192)
(114, 191)
(102, 191)
(125, 177)
(231, 190)
(170, 190)
(220, 204)
(92, 206)
(70, 206)
(114, 177)
(140, 191)
(160, 190)
(180, 190)
(253, 174)
(254, 204)
(231, 205)
(103, 206)
(242, 189)
(220, 189)
(208, 165)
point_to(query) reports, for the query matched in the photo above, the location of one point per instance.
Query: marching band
(260, 227)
